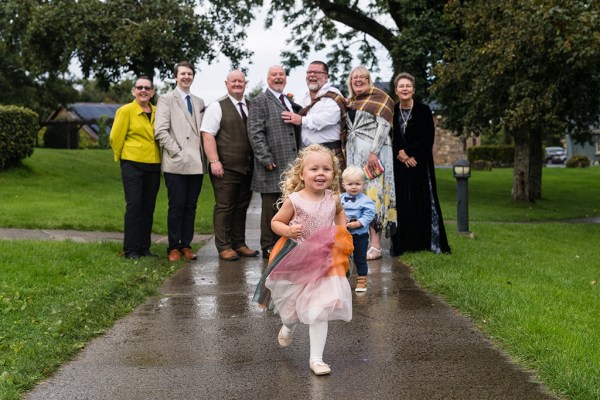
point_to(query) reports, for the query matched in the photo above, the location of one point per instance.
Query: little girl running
(306, 277)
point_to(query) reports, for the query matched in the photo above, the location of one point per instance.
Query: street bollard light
(461, 170)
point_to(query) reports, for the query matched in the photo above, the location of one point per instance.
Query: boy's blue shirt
(362, 209)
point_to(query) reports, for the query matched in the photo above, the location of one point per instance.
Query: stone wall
(447, 147)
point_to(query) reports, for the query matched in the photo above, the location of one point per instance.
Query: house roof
(94, 110)
(88, 111)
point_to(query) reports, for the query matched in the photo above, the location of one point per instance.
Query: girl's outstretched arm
(281, 220)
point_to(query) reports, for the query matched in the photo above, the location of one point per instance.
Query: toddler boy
(360, 211)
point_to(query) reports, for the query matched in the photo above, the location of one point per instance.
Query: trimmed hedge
(18, 129)
(498, 155)
(578, 161)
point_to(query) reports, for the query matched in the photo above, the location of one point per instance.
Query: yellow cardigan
(132, 135)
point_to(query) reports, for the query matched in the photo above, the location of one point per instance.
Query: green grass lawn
(566, 193)
(529, 286)
(56, 296)
(533, 289)
(79, 189)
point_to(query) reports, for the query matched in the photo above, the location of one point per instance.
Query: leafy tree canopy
(528, 68)
(110, 40)
(119, 92)
(522, 64)
(410, 30)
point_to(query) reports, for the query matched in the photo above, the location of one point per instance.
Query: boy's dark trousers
(361, 242)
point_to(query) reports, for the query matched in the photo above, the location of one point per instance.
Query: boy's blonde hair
(352, 171)
(291, 177)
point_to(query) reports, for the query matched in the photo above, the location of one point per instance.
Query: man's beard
(314, 86)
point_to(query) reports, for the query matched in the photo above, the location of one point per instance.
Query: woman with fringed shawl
(369, 120)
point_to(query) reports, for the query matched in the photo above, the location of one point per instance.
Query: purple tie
(244, 117)
(283, 102)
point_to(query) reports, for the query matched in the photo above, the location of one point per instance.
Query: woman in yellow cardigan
(132, 141)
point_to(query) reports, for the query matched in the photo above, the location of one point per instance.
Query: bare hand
(372, 160)
(410, 162)
(271, 166)
(291, 118)
(353, 225)
(216, 168)
(295, 231)
(402, 156)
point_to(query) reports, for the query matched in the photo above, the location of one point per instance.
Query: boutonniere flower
(290, 96)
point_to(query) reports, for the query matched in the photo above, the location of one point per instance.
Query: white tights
(317, 332)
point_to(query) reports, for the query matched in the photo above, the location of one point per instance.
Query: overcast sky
(267, 46)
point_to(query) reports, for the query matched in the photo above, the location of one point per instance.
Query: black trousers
(183, 192)
(232, 198)
(268, 238)
(141, 182)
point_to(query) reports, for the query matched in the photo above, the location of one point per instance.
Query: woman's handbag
(373, 172)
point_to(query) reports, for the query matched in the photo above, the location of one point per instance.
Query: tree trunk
(535, 164)
(520, 190)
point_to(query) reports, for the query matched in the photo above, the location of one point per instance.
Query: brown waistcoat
(233, 147)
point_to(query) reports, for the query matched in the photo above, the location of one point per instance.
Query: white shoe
(373, 253)
(320, 368)
(284, 340)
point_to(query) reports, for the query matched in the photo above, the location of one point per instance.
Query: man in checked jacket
(274, 144)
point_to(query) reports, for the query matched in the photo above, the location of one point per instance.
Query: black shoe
(132, 256)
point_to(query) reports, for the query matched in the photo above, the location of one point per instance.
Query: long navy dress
(420, 223)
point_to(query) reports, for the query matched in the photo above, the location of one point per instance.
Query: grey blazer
(272, 141)
(178, 134)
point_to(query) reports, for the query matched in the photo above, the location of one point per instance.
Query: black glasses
(143, 87)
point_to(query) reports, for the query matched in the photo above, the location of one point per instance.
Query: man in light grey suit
(274, 144)
(177, 130)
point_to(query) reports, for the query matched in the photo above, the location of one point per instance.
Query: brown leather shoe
(174, 255)
(245, 251)
(228, 255)
(189, 254)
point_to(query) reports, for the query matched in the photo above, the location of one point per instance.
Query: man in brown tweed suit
(275, 146)
(230, 157)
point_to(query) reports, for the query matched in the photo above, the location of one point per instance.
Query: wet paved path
(203, 338)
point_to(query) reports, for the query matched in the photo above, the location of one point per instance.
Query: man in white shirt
(230, 156)
(323, 117)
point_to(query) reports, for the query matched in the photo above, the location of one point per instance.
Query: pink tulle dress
(306, 278)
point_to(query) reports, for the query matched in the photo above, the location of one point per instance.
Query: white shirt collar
(182, 93)
(236, 101)
(277, 94)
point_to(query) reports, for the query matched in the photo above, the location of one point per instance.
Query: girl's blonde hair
(291, 177)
